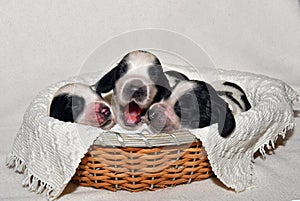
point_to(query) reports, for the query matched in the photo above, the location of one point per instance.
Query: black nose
(136, 90)
(105, 111)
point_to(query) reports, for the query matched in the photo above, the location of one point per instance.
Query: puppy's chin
(129, 126)
(108, 125)
(163, 128)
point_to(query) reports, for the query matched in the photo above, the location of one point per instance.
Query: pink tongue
(132, 113)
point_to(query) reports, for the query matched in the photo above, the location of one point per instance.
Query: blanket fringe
(271, 143)
(33, 183)
(16, 163)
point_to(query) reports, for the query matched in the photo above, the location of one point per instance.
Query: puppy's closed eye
(78, 103)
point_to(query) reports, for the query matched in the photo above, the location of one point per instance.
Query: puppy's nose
(136, 90)
(156, 117)
(152, 114)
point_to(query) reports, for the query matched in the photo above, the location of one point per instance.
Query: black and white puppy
(80, 104)
(137, 82)
(230, 92)
(192, 104)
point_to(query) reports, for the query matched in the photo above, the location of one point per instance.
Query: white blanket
(48, 151)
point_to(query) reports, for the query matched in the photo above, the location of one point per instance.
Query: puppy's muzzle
(135, 90)
(161, 117)
(157, 118)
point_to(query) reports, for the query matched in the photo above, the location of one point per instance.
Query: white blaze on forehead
(181, 88)
(79, 90)
(139, 58)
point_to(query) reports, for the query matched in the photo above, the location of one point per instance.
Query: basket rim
(110, 138)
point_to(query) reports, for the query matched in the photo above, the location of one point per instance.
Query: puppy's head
(78, 103)
(137, 82)
(192, 104)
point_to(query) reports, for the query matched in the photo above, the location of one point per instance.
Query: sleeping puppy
(230, 92)
(233, 94)
(192, 104)
(137, 82)
(80, 104)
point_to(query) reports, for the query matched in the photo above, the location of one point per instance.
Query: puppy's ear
(214, 109)
(66, 107)
(223, 116)
(160, 80)
(108, 81)
(163, 92)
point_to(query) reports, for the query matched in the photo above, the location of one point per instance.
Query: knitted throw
(48, 151)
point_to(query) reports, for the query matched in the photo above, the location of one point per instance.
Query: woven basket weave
(143, 168)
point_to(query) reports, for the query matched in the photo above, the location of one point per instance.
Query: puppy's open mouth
(132, 114)
(103, 115)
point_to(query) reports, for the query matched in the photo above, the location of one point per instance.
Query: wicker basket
(144, 168)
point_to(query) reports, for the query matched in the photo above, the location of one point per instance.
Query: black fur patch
(247, 104)
(108, 81)
(67, 107)
(229, 95)
(202, 107)
(243, 97)
(161, 82)
(234, 86)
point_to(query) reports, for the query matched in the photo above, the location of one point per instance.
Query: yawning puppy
(80, 104)
(192, 104)
(137, 82)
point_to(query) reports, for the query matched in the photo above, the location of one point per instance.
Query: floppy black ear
(67, 107)
(160, 81)
(213, 109)
(108, 81)
(187, 108)
(223, 116)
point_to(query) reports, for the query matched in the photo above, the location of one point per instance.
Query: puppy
(233, 94)
(230, 92)
(80, 104)
(192, 104)
(137, 82)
